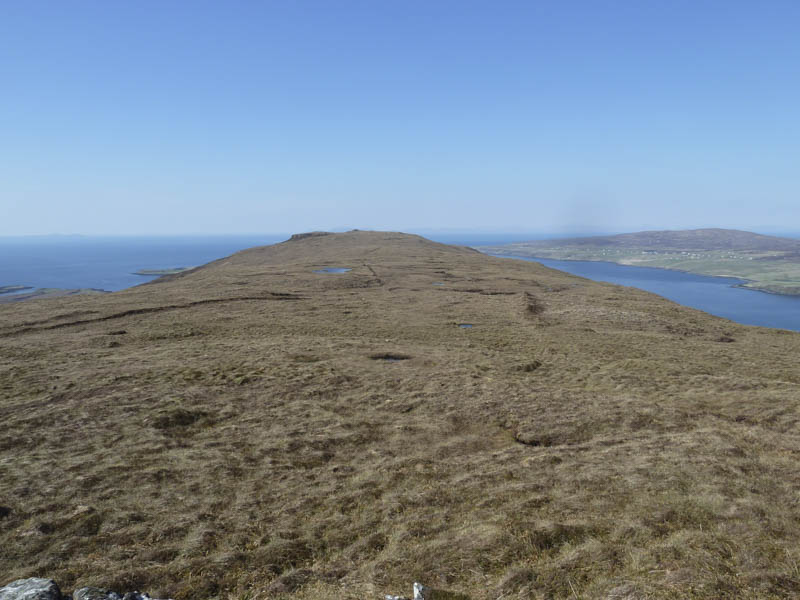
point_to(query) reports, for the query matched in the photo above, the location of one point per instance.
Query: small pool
(332, 270)
(465, 325)
(390, 357)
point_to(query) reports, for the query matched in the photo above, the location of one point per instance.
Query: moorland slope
(252, 428)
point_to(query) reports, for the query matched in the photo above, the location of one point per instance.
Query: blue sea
(109, 263)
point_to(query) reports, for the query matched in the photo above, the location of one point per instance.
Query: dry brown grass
(230, 433)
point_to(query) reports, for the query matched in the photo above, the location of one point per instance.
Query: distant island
(767, 263)
(40, 293)
(10, 289)
(159, 272)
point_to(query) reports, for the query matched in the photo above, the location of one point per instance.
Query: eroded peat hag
(200, 437)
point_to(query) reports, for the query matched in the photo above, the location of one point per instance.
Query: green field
(765, 271)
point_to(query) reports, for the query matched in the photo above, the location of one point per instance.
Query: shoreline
(44, 293)
(21, 293)
(14, 289)
(742, 280)
(162, 272)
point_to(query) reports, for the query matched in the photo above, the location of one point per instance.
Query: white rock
(34, 588)
(420, 591)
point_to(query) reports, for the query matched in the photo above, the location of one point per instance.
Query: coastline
(743, 281)
(161, 272)
(43, 293)
(21, 293)
(14, 289)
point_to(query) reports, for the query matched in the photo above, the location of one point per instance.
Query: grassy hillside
(768, 263)
(254, 429)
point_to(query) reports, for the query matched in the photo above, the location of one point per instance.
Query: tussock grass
(605, 445)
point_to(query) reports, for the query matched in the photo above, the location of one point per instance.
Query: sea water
(715, 295)
(109, 263)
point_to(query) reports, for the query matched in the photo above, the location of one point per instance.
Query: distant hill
(688, 240)
(769, 263)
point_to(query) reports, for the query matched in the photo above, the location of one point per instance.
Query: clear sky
(282, 116)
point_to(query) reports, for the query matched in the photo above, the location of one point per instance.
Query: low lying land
(769, 264)
(41, 293)
(252, 429)
(10, 289)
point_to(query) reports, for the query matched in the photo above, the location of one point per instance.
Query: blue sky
(232, 117)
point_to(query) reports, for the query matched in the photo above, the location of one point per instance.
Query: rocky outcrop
(37, 588)
(34, 588)
(93, 593)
